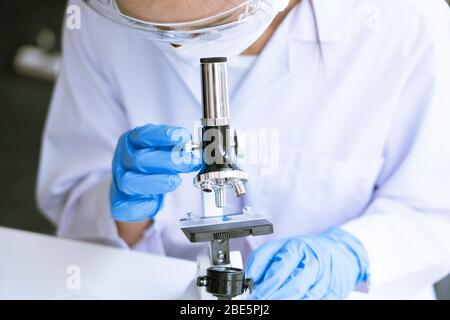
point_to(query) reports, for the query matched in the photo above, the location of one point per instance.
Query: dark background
(23, 108)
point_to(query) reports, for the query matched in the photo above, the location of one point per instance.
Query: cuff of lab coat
(151, 241)
(87, 216)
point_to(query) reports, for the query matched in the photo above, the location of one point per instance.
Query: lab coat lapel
(279, 58)
(271, 65)
(333, 21)
(189, 75)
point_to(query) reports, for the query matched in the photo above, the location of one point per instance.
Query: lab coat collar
(190, 75)
(278, 57)
(333, 20)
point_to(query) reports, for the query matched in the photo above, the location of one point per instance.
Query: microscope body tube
(216, 108)
(218, 151)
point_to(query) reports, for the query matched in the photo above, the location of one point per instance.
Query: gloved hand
(144, 170)
(326, 266)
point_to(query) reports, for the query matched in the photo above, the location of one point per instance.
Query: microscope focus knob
(191, 146)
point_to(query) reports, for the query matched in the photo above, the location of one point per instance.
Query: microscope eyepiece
(213, 60)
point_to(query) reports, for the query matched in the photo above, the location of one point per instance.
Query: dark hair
(316, 28)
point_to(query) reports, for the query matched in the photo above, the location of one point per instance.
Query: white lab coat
(364, 132)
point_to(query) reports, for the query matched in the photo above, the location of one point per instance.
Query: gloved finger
(333, 291)
(316, 292)
(322, 286)
(136, 184)
(330, 296)
(261, 259)
(154, 136)
(301, 280)
(282, 268)
(135, 209)
(161, 161)
(121, 149)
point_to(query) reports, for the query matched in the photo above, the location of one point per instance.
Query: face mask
(225, 43)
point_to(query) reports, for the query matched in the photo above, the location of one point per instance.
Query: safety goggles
(249, 12)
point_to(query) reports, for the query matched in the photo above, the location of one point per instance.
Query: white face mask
(226, 43)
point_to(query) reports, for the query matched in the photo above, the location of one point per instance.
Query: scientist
(358, 91)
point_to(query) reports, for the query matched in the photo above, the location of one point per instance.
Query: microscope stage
(205, 229)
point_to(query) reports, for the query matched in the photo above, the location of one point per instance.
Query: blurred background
(24, 99)
(29, 46)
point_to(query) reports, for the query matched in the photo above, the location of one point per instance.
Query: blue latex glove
(144, 170)
(326, 266)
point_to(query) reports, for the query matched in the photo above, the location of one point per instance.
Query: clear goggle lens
(183, 31)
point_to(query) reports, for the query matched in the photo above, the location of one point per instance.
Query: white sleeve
(151, 241)
(83, 125)
(406, 229)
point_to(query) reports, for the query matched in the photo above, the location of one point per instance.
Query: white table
(34, 266)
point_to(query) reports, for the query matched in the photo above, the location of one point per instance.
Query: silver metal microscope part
(221, 197)
(227, 177)
(215, 93)
(215, 122)
(220, 252)
(219, 181)
(239, 188)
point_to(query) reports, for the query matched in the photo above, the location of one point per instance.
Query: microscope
(221, 273)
